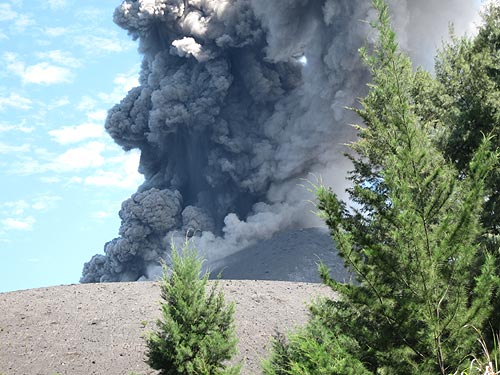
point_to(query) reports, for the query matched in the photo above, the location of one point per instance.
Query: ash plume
(238, 101)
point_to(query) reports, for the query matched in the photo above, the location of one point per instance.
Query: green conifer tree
(463, 102)
(196, 333)
(409, 238)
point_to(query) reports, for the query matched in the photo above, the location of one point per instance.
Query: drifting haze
(238, 101)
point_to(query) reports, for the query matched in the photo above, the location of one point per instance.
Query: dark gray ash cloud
(238, 101)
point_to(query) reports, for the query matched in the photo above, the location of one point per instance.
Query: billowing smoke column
(239, 100)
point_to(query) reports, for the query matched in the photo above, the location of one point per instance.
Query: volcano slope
(88, 329)
(98, 328)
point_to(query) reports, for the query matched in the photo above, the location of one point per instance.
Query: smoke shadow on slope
(289, 255)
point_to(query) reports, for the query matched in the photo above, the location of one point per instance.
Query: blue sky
(63, 64)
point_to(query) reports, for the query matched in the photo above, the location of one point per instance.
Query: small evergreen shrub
(314, 349)
(196, 333)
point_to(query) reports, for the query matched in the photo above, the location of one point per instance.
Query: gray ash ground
(98, 329)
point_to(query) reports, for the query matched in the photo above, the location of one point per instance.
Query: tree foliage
(315, 349)
(409, 236)
(464, 103)
(196, 333)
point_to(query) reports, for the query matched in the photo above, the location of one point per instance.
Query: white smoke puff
(138, 14)
(195, 23)
(187, 46)
(152, 7)
(266, 220)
